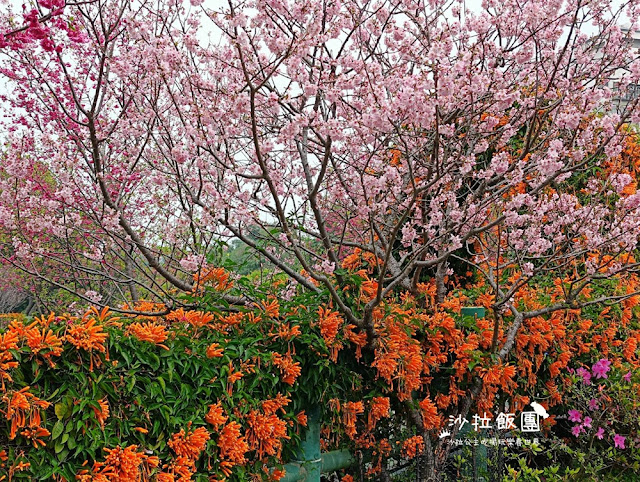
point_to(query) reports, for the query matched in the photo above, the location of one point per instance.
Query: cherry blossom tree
(139, 134)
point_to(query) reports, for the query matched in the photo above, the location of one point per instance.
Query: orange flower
(8, 341)
(265, 433)
(214, 351)
(368, 289)
(271, 309)
(181, 469)
(286, 332)
(102, 316)
(226, 466)
(34, 434)
(196, 319)
(216, 416)
(234, 377)
(199, 319)
(141, 430)
(87, 336)
(379, 409)
(288, 368)
(302, 418)
(358, 339)
(275, 404)
(165, 477)
(144, 306)
(232, 319)
(46, 344)
(413, 446)
(349, 414)
(278, 474)
(233, 446)
(23, 408)
(360, 258)
(329, 322)
(102, 413)
(150, 332)
(217, 278)
(189, 444)
(122, 465)
(430, 417)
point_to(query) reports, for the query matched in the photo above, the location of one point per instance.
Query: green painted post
(294, 472)
(473, 311)
(330, 462)
(308, 464)
(336, 460)
(310, 447)
(480, 452)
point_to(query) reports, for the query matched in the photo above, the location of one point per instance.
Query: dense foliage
(198, 394)
(111, 398)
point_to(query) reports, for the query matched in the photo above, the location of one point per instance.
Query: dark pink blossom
(600, 368)
(585, 374)
(575, 416)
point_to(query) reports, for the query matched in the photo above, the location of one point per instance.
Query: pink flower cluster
(599, 370)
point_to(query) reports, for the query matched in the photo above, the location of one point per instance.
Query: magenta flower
(627, 377)
(600, 433)
(600, 368)
(593, 404)
(585, 374)
(575, 416)
(587, 422)
(576, 430)
(618, 440)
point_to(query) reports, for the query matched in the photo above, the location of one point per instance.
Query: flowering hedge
(210, 394)
(184, 397)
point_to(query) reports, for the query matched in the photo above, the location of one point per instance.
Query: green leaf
(71, 443)
(57, 429)
(58, 447)
(154, 361)
(61, 410)
(131, 383)
(63, 454)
